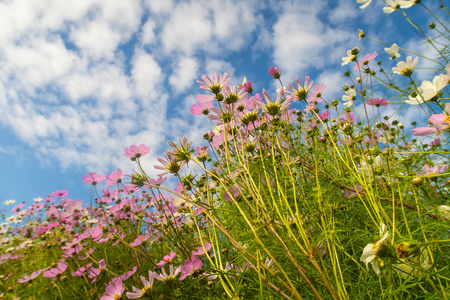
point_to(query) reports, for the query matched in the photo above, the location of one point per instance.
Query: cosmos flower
(406, 68)
(372, 251)
(134, 152)
(393, 51)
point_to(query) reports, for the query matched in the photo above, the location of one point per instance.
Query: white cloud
(146, 74)
(184, 74)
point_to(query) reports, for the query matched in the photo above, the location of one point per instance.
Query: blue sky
(80, 80)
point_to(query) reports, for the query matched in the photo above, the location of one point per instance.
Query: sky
(81, 80)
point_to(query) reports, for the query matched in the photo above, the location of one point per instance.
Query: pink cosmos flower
(166, 259)
(59, 193)
(435, 142)
(189, 267)
(30, 277)
(146, 285)
(368, 58)
(134, 152)
(17, 208)
(439, 122)
(324, 116)
(60, 268)
(301, 91)
(317, 94)
(158, 181)
(94, 272)
(215, 85)
(247, 86)
(272, 108)
(202, 109)
(435, 171)
(348, 117)
(378, 102)
(115, 177)
(166, 277)
(201, 250)
(93, 178)
(274, 72)
(114, 291)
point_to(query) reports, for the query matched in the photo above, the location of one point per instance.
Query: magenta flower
(367, 59)
(114, 291)
(378, 102)
(324, 116)
(93, 178)
(115, 177)
(134, 152)
(202, 109)
(247, 86)
(59, 193)
(274, 72)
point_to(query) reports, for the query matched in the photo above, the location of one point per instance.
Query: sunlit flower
(274, 72)
(59, 193)
(351, 56)
(114, 291)
(135, 151)
(435, 171)
(444, 210)
(393, 5)
(115, 177)
(167, 277)
(202, 109)
(146, 285)
(393, 51)
(300, 92)
(378, 102)
(93, 178)
(215, 85)
(372, 251)
(406, 68)
(428, 90)
(37, 199)
(11, 201)
(367, 59)
(272, 108)
(349, 97)
(363, 3)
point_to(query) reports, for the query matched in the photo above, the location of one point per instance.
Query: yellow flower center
(447, 119)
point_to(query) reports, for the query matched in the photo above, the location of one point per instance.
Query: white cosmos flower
(349, 97)
(371, 251)
(393, 51)
(364, 3)
(444, 210)
(429, 89)
(406, 68)
(7, 202)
